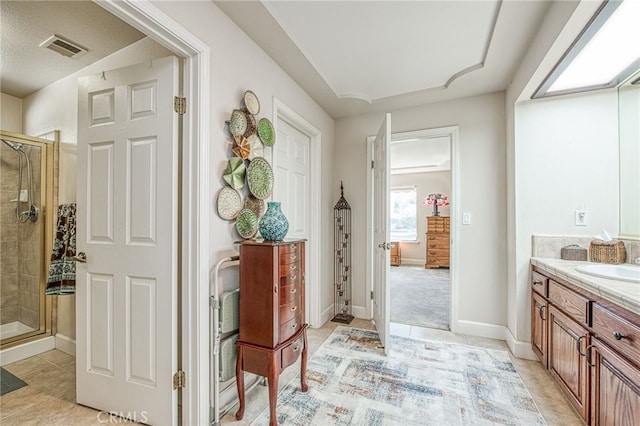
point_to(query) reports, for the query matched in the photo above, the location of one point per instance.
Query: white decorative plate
(229, 203)
(256, 149)
(251, 102)
(237, 123)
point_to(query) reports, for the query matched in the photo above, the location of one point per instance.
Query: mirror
(629, 133)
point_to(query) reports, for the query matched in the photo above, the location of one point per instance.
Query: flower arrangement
(435, 200)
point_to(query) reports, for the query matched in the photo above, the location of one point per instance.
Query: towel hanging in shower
(62, 269)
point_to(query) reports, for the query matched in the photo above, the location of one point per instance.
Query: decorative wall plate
(256, 149)
(237, 123)
(241, 147)
(251, 102)
(255, 204)
(260, 178)
(266, 132)
(235, 172)
(251, 123)
(229, 203)
(247, 223)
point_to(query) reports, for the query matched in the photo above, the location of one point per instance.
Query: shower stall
(26, 236)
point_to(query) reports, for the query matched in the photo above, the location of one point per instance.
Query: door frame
(194, 193)
(314, 272)
(452, 132)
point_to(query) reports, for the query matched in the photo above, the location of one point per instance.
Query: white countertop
(623, 293)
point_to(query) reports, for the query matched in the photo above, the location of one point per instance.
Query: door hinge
(371, 294)
(179, 380)
(372, 163)
(180, 105)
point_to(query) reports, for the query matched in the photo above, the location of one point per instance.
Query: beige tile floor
(49, 397)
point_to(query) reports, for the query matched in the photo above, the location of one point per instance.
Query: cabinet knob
(293, 308)
(275, 289)
(537, 282)
(293, 290)
(619, 336)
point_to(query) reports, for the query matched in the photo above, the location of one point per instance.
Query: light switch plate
(466, 218)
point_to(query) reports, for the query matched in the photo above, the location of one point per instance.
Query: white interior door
(292, 177)
(381, 241)
(126, 302)
(291, 162)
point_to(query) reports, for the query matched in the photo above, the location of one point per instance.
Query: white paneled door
(291, 162)
(126, 300)
(382, 245)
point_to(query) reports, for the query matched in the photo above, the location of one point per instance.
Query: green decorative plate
(260, 178)
(235, 172)
(238, 123)
(229, 203)
(247, 223)
(266, 132)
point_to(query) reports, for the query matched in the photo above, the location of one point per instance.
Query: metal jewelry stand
(342, 263)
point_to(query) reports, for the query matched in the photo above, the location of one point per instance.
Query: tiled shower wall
(21, 260)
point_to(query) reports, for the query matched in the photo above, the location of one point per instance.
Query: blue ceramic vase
(273, 225)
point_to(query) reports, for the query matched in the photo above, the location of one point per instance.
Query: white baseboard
(26, 350)
(65, 344)
(480, 329)
(360, 312)
(412, 262)
(326, 315)
(519, 349)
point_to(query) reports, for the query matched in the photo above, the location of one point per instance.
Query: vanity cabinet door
(567, 363)
(539, 316)
(615, 390)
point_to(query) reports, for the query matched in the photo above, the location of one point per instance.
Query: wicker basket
(573, 252)
(607, 251)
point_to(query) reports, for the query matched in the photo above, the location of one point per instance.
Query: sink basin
(615, 272)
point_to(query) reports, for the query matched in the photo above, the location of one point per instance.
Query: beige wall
(237, 65)
(426, 183)
(482, 192)
(10, 113)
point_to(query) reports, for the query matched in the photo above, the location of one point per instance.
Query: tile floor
(49, 397)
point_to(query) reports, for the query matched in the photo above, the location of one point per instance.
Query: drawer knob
(293, 290)
(297, 348)
(619, 336)
(294, 325)
(536, 282)
(293, 308)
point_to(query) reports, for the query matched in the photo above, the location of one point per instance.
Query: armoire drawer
(291, 352)
(289, 328)
(289, 310)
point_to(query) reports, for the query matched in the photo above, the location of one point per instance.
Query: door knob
(80, 257)
(385, 246)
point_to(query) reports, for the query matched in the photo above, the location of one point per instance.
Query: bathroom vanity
(586, 331)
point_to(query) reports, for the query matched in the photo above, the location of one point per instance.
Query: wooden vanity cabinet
(396, 254)
(591, 347)
(567, 362)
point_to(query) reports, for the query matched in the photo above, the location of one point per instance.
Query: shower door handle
(81, 257)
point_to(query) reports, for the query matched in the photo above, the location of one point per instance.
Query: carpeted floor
(423, 382)
(420, 296)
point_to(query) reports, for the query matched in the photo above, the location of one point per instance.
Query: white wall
(566, 158)
(10, 113)
(55, 107)
(237, 65)
(426, 183)
(482, 189)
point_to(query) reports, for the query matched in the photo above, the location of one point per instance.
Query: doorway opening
(419, 279)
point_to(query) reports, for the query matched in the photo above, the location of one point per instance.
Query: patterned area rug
(421, 382)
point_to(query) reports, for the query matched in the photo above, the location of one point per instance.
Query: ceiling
(356, 57)
(352, 57)
(25, 67)
(420, 155)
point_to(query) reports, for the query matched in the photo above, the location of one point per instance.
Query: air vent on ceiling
(63, 47)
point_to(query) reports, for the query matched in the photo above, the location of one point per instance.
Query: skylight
(604, 55)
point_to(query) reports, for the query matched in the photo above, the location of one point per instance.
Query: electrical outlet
(581, 218)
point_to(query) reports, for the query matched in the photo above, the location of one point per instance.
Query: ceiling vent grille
(63, 47)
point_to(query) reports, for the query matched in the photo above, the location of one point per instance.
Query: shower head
(13, 145)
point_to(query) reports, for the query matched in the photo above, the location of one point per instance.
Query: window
(403, 214)
(604, 55)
